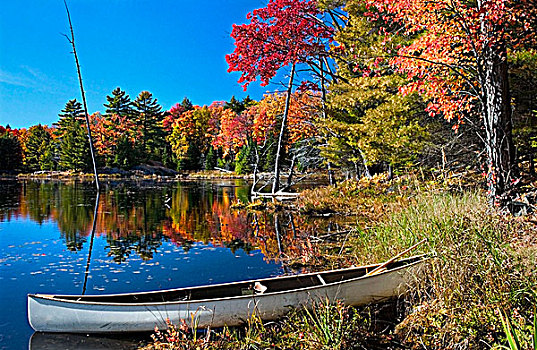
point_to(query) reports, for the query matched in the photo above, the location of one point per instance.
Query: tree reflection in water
(135, 218)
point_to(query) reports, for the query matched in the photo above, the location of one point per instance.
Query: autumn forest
(371, 86)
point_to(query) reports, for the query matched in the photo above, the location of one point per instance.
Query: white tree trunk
(277, 163)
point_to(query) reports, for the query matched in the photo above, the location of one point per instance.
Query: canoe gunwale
(414, 260)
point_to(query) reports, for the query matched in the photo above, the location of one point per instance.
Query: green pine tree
(243, 161)
(72, 141)
(187, 104)
(11, 152)
(149, 118)
(210, 160)
(369, 121)
(119, 103)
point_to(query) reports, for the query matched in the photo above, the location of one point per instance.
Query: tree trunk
(277, 163)
(498, 124)
(252, 191)
(86, 115)
(331, 180)
(364, 164)
(291, 173)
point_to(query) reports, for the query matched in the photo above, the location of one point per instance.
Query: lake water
(147, 236)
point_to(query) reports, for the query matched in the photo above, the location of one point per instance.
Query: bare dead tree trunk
(86, 114)
(93, 227)
(256, 165)
(277, 163)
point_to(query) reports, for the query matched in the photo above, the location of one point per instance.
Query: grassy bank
(482, 269)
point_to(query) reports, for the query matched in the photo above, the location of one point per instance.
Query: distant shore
(141, 172)
(124, 175)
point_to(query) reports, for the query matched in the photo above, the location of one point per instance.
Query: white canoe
(216, 305)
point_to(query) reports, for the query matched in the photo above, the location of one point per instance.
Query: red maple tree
(283, 33)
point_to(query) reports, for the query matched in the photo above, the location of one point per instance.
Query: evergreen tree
(235, 105)
(126, 154)
(11, 152)
(267, 163)
(119, 103)
(39, 149)
(187, 104)
(149, 118)
(72, 111)
(210, 160)
(369, 122)
(119, 115)
(72, 140)
(239, 106)
(244, 159)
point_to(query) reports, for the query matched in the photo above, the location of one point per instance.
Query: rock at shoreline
(147, 169)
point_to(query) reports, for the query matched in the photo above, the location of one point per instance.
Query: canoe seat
(321, 279)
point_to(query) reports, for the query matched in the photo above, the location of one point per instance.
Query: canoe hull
(46, 314)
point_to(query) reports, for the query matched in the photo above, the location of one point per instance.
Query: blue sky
(172, 48)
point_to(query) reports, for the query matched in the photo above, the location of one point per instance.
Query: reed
(483, 260)
(478, 268)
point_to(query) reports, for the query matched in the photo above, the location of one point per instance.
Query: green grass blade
(511, 336)
(535, 329)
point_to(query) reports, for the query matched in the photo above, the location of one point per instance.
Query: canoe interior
(278, 284)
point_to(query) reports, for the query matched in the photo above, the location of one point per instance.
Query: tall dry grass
(480, 267)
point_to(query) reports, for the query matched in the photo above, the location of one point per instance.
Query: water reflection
(137, 218)
(53, 341)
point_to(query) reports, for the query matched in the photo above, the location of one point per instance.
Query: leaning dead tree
(71, 40)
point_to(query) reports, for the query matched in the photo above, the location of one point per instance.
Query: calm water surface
(147, 236)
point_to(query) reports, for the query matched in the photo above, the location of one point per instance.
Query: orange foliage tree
(458, 59)
(117, 139)
(192, 134)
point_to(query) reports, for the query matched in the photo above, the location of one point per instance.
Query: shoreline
(126, 176)
(136, 175)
